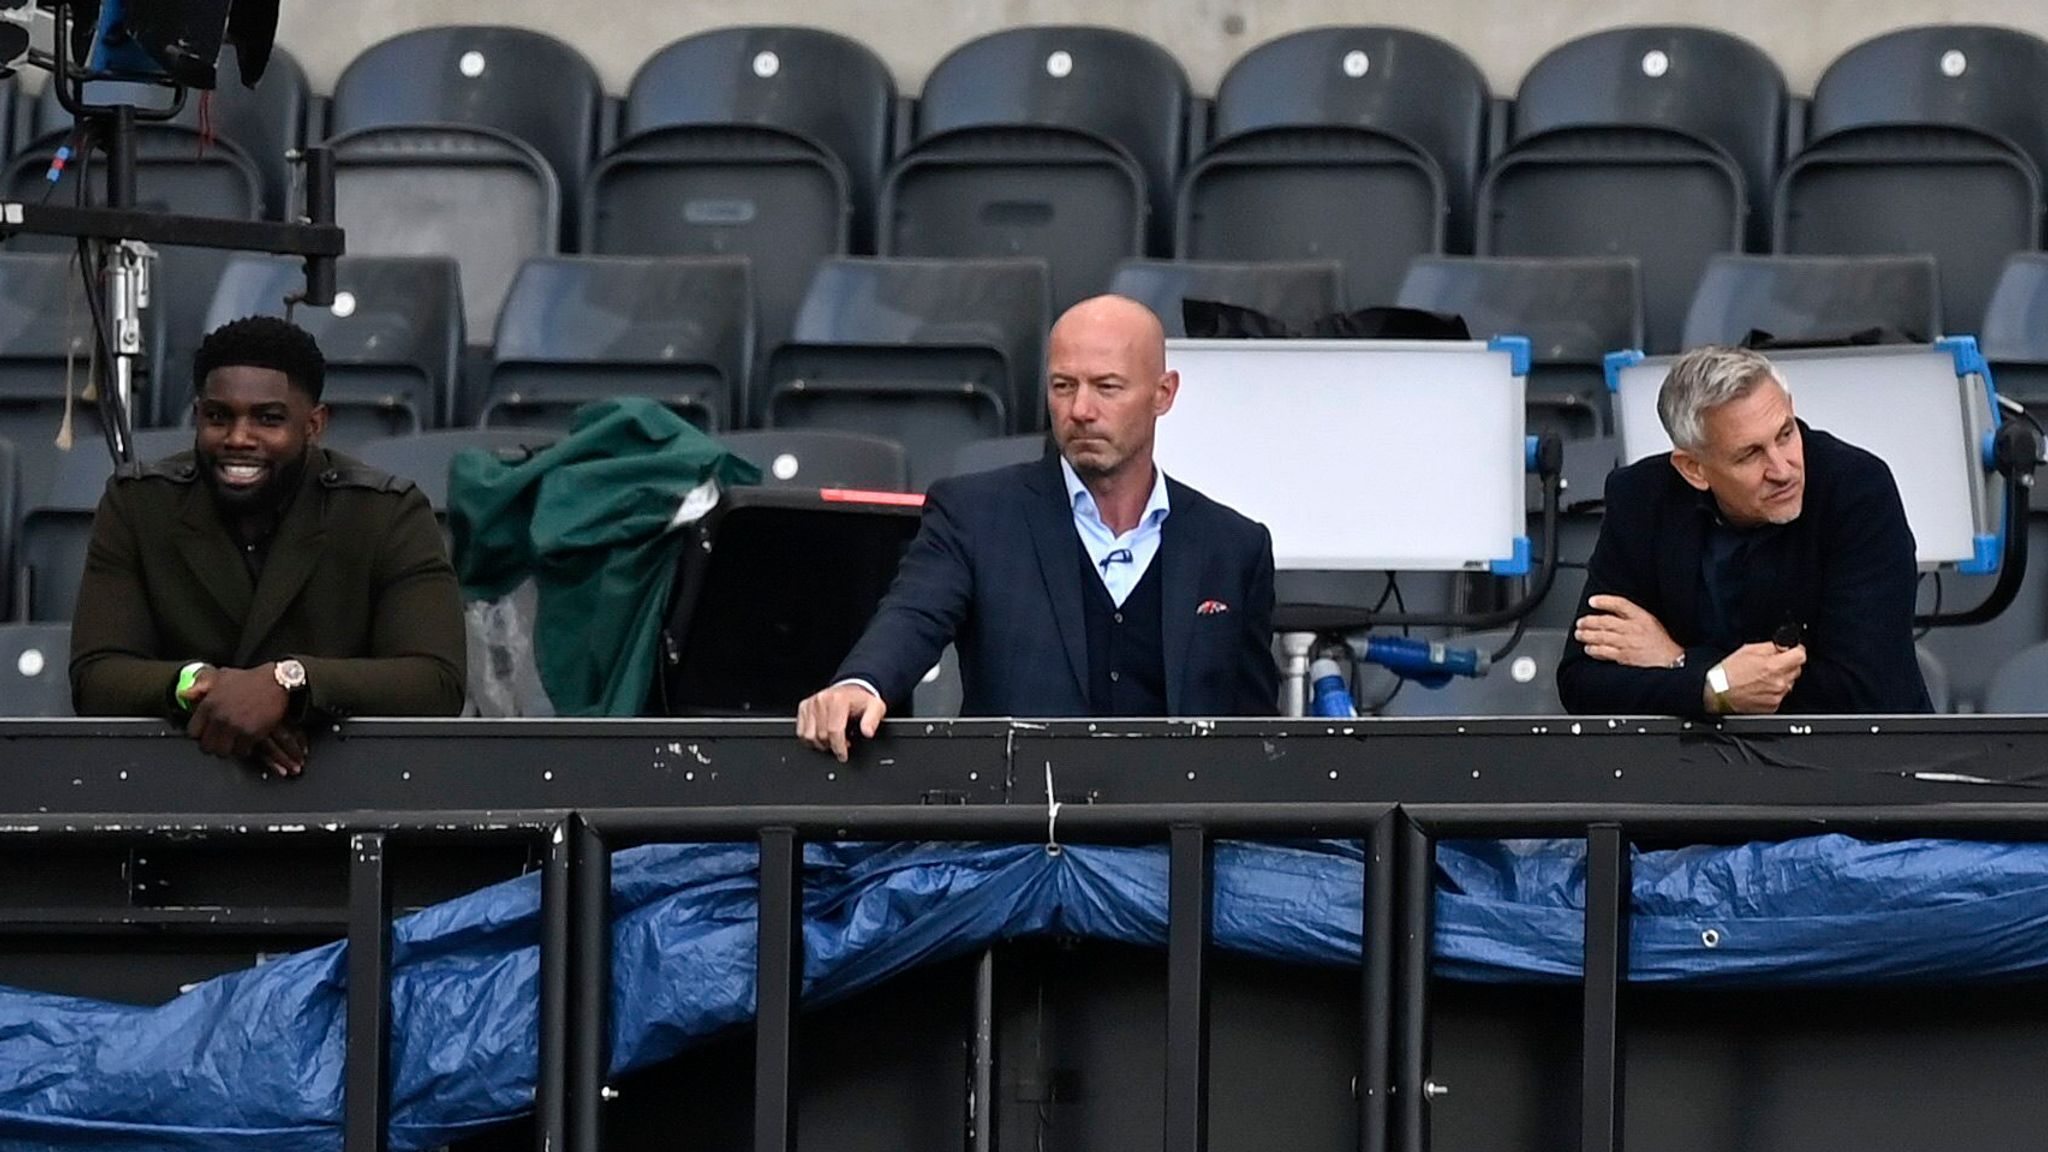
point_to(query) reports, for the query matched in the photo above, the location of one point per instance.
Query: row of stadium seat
(1085, 146)
(929, 353)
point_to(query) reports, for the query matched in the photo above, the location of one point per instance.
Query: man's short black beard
(284, 480)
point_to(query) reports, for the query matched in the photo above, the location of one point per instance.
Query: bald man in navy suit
(1086, 584)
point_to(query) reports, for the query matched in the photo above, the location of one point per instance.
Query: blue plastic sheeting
(253, 1060)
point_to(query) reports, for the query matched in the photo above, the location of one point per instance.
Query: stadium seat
(2021, 683)
(999, 452)
(531, 87)
(393, 337)
(830, 91)
(1926, 140)
(1813, 297)
(1644, 142)
(35, 669)
(1523, 683)
(10, 527)
(822, 458)
(761, 142)
(930, 353)
(11, 100)
(2015, 336)
(1296, 293)
(1060, 143)
(44, 324)
(582, 328)
(56, 528)
(1574, 312)
(425, 458)
(1359, 144)
(476, 195)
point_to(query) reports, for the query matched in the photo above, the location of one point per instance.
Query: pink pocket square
(1211, 608)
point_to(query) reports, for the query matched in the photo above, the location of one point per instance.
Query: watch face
(291, 675)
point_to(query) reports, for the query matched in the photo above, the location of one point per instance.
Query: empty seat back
(2015, 335)
(2021, 683)
(1795, 298)
(581, 328)
(46, 339)
(527, 85)
(392, 339)
(1295, 292)
(1988, 79)
(999, 452)
(1110, 84)
(426, 457)
(56, 529)
(826, 88)
(1406, 84)
(930, 353)
(1709, 85)
(35, 669)
(1573, 311)
(822, 458)
(476, 195)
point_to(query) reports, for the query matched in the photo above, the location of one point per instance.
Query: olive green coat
(356, 586)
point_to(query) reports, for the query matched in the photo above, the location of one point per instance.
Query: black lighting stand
(120, 233)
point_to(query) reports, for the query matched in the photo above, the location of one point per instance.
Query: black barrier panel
(1188, 785)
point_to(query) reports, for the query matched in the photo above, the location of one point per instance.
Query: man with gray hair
(1764, 566)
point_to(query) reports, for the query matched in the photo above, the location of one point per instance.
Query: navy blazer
(996, 569)
(1845, 570)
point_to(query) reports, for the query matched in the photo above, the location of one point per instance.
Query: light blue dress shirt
(1121, 560)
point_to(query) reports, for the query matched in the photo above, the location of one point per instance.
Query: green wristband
(187, 676)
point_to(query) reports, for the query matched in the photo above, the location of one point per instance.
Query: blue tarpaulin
(253, 1060)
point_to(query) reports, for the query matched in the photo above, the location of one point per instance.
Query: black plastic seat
(393, 338)
(999, 452)
(1814, 297)
(1647, 142)
(476, 195)
(760, 193)
(930, 353)
(2021, 683)
(1293, 292)
(426, 457)
(582, 328)
(1358, 144)
(1926, 140)
(1707, 85)
(45, 325)
(11, 98)
(831, 91)
(57, 527)
(35, 670)
(2015, 336)
(527, 85)
(822, 458)
(1574, 312)
(10, 525)
(1061, 143)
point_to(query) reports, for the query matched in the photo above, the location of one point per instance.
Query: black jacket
(996, 570)
(1844, 570)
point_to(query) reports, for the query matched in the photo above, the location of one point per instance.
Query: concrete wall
(1504, 36)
